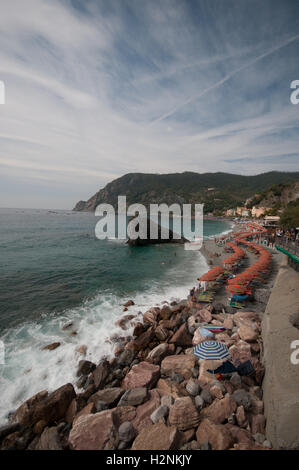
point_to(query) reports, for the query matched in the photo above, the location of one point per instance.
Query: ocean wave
(29, 368)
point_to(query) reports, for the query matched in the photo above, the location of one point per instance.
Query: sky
(95, 89)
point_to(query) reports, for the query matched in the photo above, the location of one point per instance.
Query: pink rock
(217, 435)
(93, 431)
(87, 410)
(143, 340)
(182, 337)
(241, 417)
(257, 407)
(165, 312)
(248, 332)
(124, 413)
(143, 374)
(240, 436)
(138, 329)
(240, 352)
(181, 363)
(216, 392)
(258, 423)
(157, 437)
(219, 410)
(158, 353)
(168, 387)
(162, 333)
(228, 386)
(205, 314)
(228, 323)
(151, 316)
(252, 316)
(71, 411)
(144, 411)
(183, 414)
(224, 338)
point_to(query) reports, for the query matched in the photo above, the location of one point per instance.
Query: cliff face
(279, 195)
(218, 191)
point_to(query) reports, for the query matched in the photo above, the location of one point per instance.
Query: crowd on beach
(278, 236)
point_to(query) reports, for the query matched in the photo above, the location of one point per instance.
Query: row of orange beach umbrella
(237, 254)
(240, 283)
(214, 272)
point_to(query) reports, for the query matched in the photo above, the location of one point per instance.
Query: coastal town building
(230, 213)
(271, 220)
(258, 211)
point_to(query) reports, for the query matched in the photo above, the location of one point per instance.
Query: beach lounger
(235, 304)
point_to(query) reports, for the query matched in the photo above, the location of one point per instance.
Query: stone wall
(280, 328)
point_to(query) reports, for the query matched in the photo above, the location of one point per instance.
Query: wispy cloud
(97, 89)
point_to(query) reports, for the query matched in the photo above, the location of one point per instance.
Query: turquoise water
(54, 270)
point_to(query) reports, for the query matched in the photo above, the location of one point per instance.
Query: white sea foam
(29, 369)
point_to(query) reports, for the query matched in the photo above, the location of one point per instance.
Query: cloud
(96, 89)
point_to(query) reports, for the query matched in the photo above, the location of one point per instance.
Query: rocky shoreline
(152, 395)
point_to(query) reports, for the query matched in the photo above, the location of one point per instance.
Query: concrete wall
(281, 381)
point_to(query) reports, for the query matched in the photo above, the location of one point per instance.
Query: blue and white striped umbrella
(211, 350)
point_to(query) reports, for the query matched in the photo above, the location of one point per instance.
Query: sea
(54, 271)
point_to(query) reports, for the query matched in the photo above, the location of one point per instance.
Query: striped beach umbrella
(214, 328)
(211, 350)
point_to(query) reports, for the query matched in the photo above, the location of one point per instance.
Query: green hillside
(218, 191)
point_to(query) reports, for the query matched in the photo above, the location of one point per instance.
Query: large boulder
(217, 435)
(94, 432)
(161, 333)
(134, 397)
(43, 407)
(258, 423)
(85, 367)
(219, 410)
(142, 341)
(23, 415)
(181, 363)
(243, 398)
(54, 406)
(145, 410)
(183, 414)
(157, 437)
(86, 410)
(151, 315)
(205, 315)
(171, 388)
(126, 432)
(123, 414)
(110, 396)
(49, 440)
(165, 312)
(247, 331)
(182, 336)
(158, 353)
(101, 373)
(240, 436)
(143, 374)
